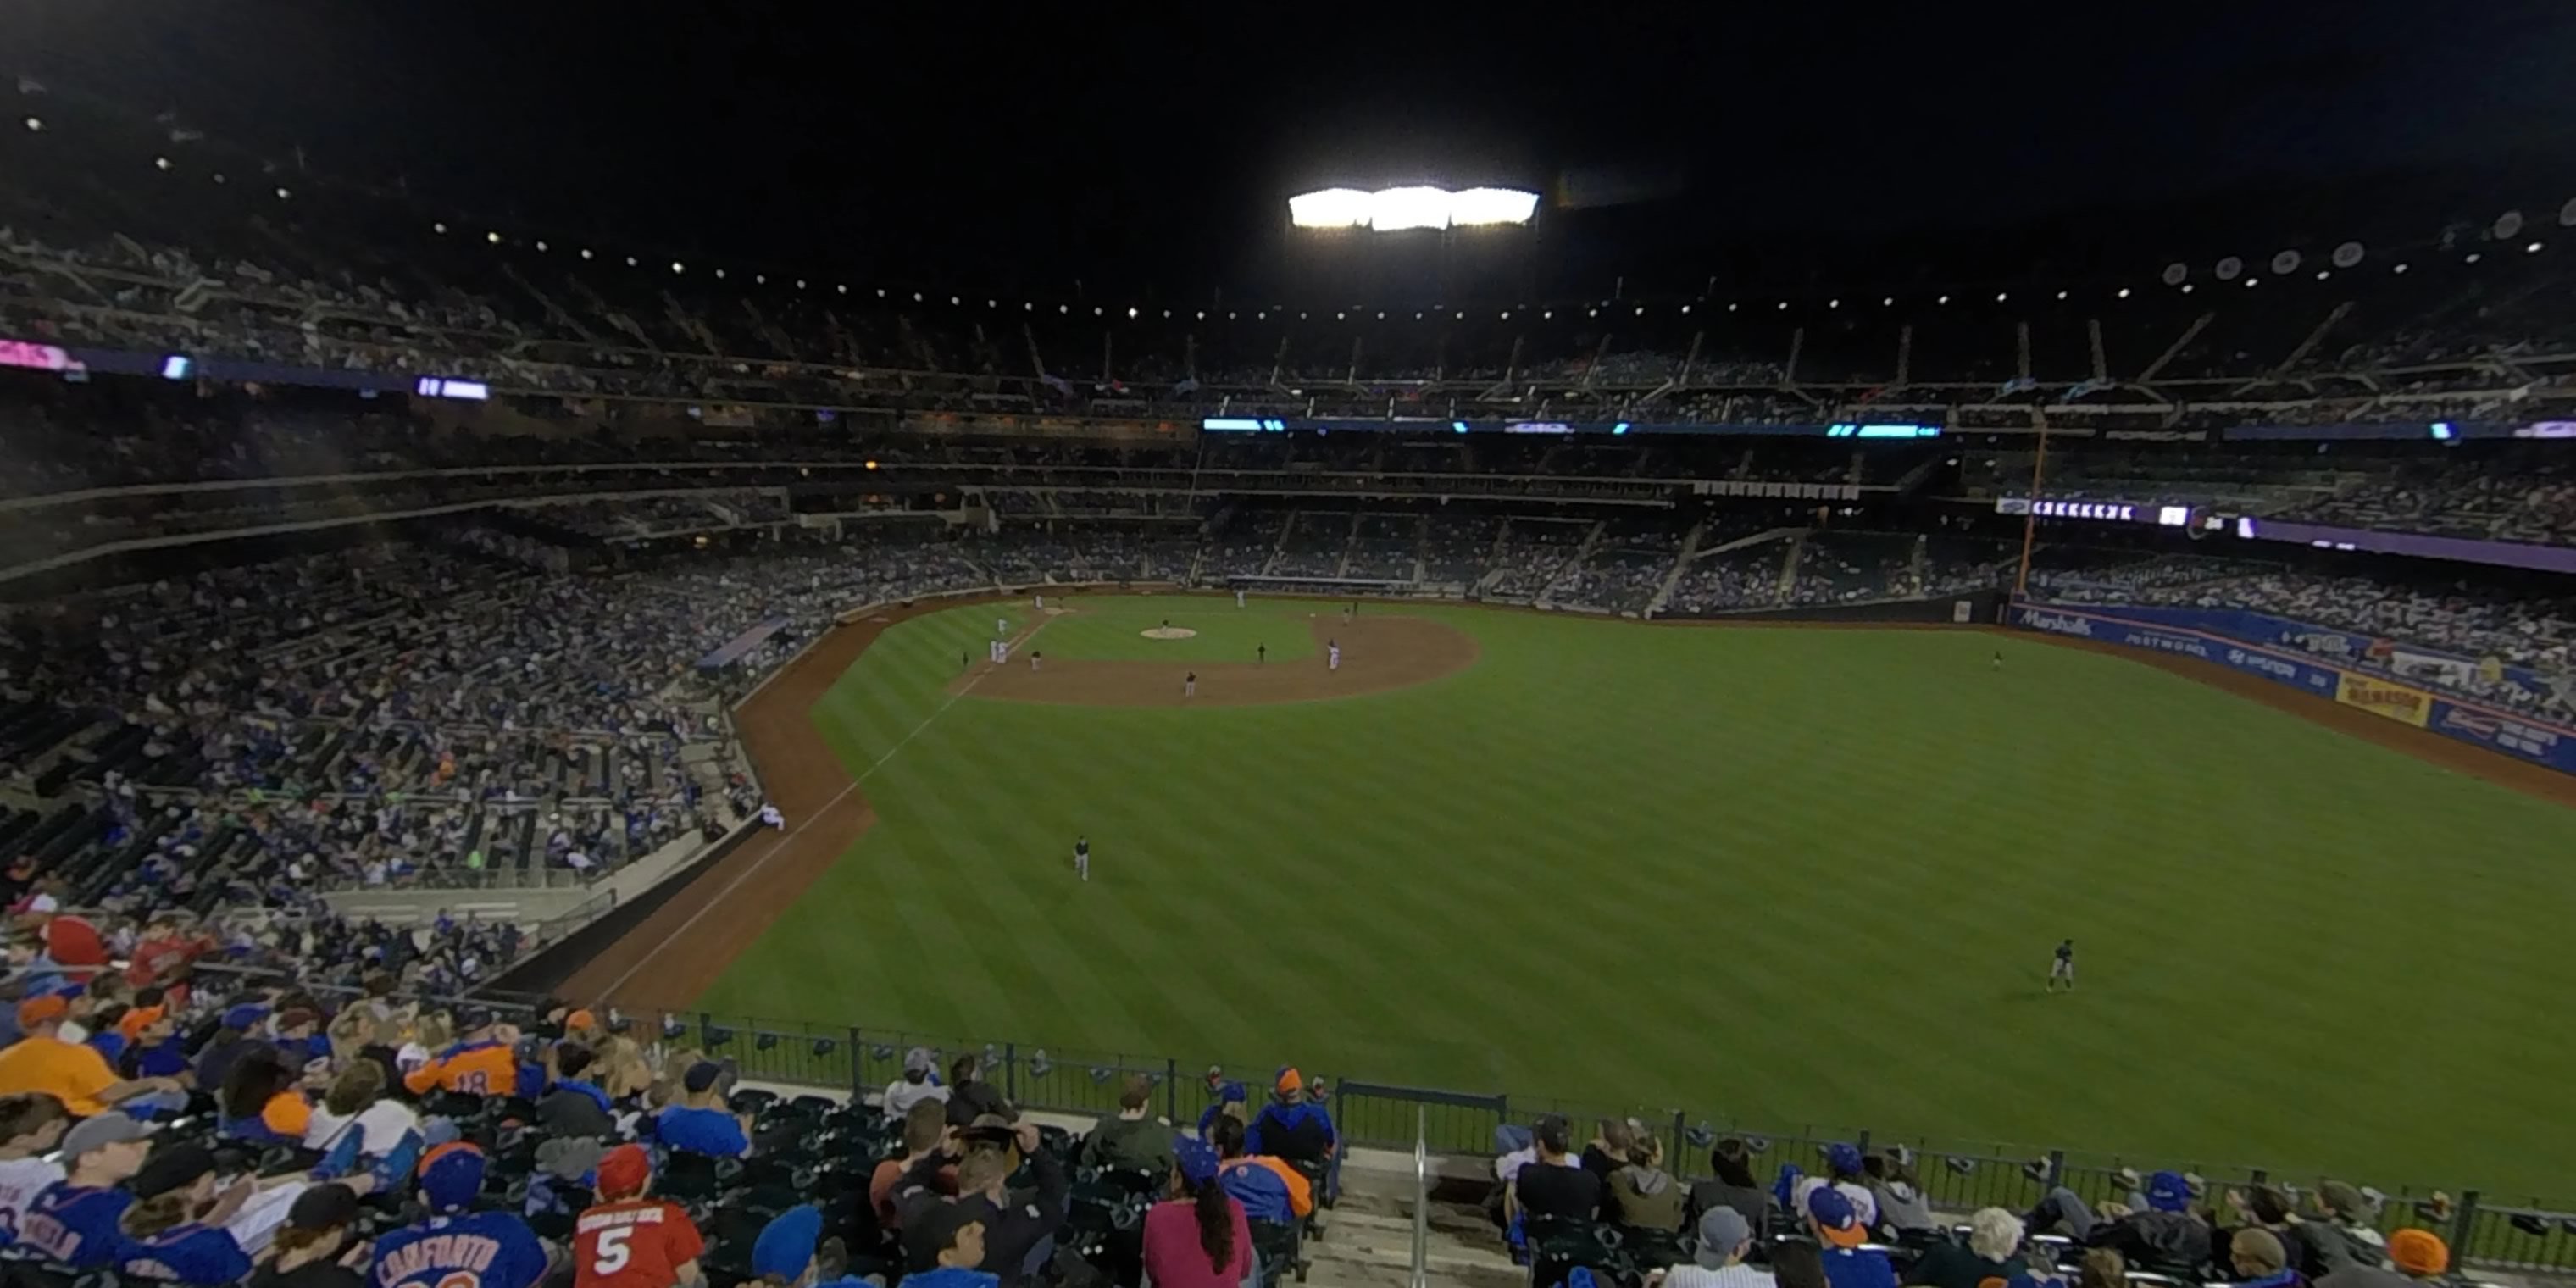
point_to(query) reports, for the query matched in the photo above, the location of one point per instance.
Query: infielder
(1332, 655)
(2063, 967)
(1038, 602)
(769, 815)
(1034, 655)
(1082, 857)
(1190, 685)
(1238, 597)
(1002, 626)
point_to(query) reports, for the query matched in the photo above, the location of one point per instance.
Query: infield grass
(1779, 877)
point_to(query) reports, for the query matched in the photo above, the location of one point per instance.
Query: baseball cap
(472, 1018)
(2420, 1253)
(918, 1060)
(580, 1021)
(701, 1075)
(174, 1168)
(137, 1019)
(1842, 1159)
(102, 1131)
(2345, 1200)
(1836, 1222)
(1289, 1081)
(624, 1171)
(245, 1016)
(1197, 1159)
(42, 1010)
(1722, 1230)
(2168, 1192)
(451, 1175)
(323, 1206)
(786, 1245)
(1552, 1133)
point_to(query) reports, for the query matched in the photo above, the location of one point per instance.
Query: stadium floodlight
(35, 124)
(160, 163)
(1390, 210)
(493, 238)
(585, 252)
(719, 274)
(283, 194)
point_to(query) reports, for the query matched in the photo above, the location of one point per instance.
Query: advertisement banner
(2519, 736)
(2403, 703)
(2538, 694)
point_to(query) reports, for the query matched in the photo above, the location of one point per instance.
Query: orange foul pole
(2030, 520)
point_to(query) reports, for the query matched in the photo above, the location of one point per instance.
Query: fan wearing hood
(1641, 1193)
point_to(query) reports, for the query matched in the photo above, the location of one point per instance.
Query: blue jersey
(701, 1131)
(75, 1225)
(475, 1250)
(198, 1255)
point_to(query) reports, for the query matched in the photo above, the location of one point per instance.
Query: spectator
(627, 1240)
(2259, 1259)
(574, 1106)
(2418, 1257)
(2343, 1235)
(1993, 1251)
(1731, 1162)
(952, 1238)
(701, 1123)
(493, 1249)
(236, 1033)
(1132, 1139)
(356, 1101)
(2166, 1233)
(1724, 1237)
(74, 1074)
(1016, 1227)
(1199, 1237)
(783, 1254)
(174, 1232)
(969, 1096)
(2270, 1208)
(1835, 1221)
(1552, 1186)
(1292, 1127)
(915, 1086)
(1845, 1174)
(2103, 1268)
(1641, 1193)
(313, 1248)
(260, 1103)
(1607, 1151)
(925, 1129)
(480, 1063)
(74, 1225)
(31, 1125)
(1901, 1206)
(1798, 1264)
(1268, 1188)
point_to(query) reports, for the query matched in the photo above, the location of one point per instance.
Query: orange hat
(579, 1021)
(2420, 1253)
(136, 1019)
(1289, 1081)
(42, 1010)
(624, 1171)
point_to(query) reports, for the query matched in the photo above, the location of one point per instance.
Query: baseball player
(2063, 967)
(1001, 626)
(769, 816)
(1034, 655)
(962, 663)
(1038, 602)
(1082, 857)
(1260, 654)
(1238, 597)
(1999, 659)
(1190, 685)
(1332, 655)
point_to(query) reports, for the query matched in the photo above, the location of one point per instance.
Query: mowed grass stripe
(1781, 877)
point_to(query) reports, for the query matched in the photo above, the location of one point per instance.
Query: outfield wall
(2504, 732)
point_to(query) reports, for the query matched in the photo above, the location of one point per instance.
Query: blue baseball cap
(245, 1016)
(2168, 1192)
(786, 1245)
(1842, 1159)
(1197, 1159)
(1837, 1222)
(451, 1175)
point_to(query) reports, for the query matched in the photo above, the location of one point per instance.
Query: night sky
(1029, 145)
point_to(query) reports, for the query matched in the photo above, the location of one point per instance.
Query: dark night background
(1151, 150)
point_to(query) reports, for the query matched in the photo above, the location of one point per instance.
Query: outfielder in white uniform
(1002, 626)
(1332, 656)
(1238, 599)
(1082, 857)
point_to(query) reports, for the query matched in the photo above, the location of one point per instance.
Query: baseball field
(1791, 876)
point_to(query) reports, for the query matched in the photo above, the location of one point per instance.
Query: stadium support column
(2030, 519)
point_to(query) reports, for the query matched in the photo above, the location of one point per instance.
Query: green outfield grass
(1783, 876)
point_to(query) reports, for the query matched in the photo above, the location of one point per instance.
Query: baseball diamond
(1855, 846)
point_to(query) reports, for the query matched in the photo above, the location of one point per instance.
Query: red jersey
(633, 1243)
(154, 959)
(74, 942)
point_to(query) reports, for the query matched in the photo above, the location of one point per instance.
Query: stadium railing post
(1681, 1125)
(858, 1066)
(2056, 1168)
(1862, 1142)
(1171, 1089)
(1011, 1072)
(2463, 1227)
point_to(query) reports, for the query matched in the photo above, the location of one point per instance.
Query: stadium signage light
(1389, 210)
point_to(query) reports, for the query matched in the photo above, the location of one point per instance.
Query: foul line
(780, 843)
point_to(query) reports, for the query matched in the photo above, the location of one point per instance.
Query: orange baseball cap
(579, 1021)
(41, 1010)
(135, 1020)
(1289, 1081)
(2420, 1253)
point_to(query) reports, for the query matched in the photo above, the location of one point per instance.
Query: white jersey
(21, 1179)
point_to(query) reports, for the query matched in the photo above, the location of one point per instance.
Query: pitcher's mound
(1057, 610)
(1167, 632)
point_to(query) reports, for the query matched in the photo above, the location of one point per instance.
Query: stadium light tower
(1389, 210)
(1417, 241)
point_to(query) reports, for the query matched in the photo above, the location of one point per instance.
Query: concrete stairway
(1368, 1239)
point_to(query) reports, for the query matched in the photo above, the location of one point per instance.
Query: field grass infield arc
(1777, 875)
